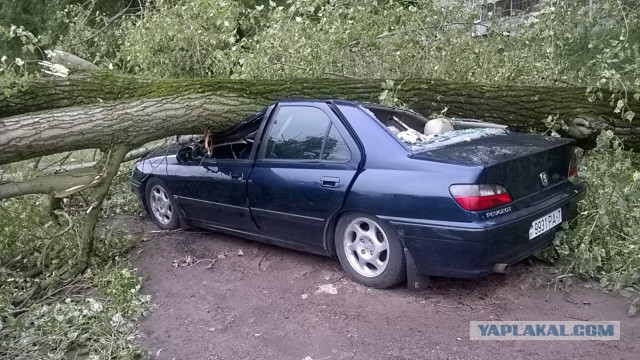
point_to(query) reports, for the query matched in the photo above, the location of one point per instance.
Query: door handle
(236, 176)
(330, 181)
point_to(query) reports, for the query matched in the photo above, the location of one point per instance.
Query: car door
(212, 190)
(305, 164)
(215, 193)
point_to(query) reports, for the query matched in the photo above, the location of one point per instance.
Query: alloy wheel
(366, 246)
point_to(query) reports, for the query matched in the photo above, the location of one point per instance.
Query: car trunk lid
(526, 164)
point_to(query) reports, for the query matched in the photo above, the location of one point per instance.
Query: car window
(298, 132)
(335, 148)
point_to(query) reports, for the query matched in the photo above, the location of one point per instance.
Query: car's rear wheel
(369, 251)
(161, 205)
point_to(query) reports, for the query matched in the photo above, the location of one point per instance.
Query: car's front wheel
(369, 251)
(161, 205)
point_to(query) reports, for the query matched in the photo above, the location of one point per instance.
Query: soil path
(266, 304)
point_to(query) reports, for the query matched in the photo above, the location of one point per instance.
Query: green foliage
(312, 38)
(603, 242)
(389, 94)
(567, 42)
(14, 73)
(563, 43)
(42, 19)
(121, 200)
(94, 315)
(32, 17)
(90, 34)
(182, 38)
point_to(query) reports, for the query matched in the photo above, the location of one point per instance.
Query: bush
(603, 241)
(94, 315)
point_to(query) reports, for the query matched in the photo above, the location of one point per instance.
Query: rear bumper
(470, 250)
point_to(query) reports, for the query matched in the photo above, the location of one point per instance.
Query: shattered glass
(416, 141)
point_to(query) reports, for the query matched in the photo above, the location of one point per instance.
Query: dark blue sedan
(390, 193)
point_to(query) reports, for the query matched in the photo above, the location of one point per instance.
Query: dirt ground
(267, 304)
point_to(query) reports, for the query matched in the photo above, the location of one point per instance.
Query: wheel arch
(330, 229)
(330, 232)
(143, 192)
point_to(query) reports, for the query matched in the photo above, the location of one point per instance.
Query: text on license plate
(541, 225)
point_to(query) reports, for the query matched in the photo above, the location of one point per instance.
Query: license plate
(541, 225)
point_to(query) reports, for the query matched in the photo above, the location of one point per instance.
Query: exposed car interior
(410, 127)
(196, 151)
(398, 120)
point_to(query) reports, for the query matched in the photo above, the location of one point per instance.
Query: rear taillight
(573, 168)
(573, 165)
(480, 197)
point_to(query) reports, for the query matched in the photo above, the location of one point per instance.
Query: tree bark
(111, 163)
(99, 109)
(62, 181)
(58, 185)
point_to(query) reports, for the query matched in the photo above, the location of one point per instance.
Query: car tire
(369, 251)
(161, 206)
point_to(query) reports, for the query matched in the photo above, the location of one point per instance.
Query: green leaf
(628, 115)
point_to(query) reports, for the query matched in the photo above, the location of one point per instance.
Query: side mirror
(185, 154)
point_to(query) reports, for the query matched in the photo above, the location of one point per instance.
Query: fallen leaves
(186, 261)
(191, 261)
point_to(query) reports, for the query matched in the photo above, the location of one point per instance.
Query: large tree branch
(60, 185)
(105, 109)
(420, 94)
(62, 181)
(48, 169)
(132, 123)
(71, 62)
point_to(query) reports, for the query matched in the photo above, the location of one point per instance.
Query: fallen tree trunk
(96, 110)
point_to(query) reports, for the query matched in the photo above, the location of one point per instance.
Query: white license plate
(541, 225)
